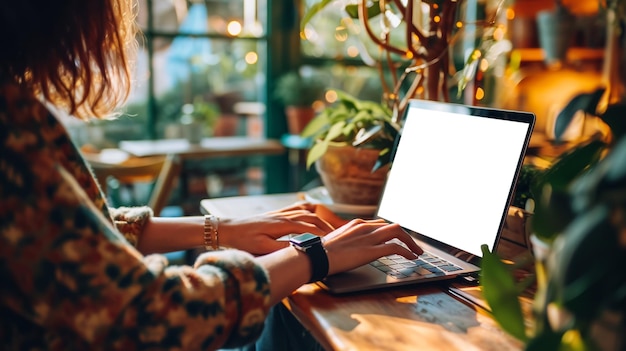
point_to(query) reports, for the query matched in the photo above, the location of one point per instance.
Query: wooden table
(208, 148)
(427, 317)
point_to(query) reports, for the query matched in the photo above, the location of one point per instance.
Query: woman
(78, 275)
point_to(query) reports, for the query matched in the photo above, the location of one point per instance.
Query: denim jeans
(282, 332)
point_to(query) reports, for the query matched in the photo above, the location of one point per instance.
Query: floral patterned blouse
(70, 279)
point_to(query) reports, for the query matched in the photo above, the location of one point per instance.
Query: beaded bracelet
(210, 235)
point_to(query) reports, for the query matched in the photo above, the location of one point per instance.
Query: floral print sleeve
(130, 221)
(70, 278)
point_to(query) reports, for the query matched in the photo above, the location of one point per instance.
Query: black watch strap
(319, 262)
(312, 246)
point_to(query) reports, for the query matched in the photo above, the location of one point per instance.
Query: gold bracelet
(211, 240)
(216, 238)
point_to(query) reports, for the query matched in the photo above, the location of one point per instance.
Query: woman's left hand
(260, 234)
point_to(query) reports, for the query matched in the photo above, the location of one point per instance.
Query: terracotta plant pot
(298, 118)
(346, 172)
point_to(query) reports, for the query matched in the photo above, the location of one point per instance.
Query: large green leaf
(502, 294)
(606, 182)
(615, 118)
(616, 173)
(571, 164)
(583, 285)
(598, 198)
(586, 102)
(553, 204)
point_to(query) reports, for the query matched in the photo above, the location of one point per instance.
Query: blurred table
(209, 148)
(129, 170)
(421, 317)
(236, 206)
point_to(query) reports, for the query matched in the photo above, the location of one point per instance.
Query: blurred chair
(129, 170)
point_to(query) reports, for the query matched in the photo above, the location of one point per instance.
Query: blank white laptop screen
(453, 174)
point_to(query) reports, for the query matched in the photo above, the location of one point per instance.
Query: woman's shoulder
(34, 144)
(18, 98)
(21, 111)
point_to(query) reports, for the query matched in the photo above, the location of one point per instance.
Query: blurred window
(196, 52)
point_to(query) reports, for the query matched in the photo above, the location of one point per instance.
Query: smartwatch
(312, 246)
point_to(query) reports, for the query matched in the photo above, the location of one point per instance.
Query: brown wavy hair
(76, 54)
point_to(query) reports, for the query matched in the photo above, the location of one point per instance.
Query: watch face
(306, 239)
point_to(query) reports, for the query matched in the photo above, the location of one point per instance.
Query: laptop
(451, 182)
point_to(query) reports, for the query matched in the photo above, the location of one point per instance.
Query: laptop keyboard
(427, 265)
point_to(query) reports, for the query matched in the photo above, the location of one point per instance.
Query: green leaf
(605, 182)
(571, 164)
(586, 102)
(314, 10)
(316, 151)
(335, 131)
(552, 214)
(348, 132)
(317, 126)
(373, 9)
(553, 205)
(467, 74)
(349, 101)
(320, 147)
(339, 112)
(616, 160)
(547, 340)
(384, 158)
(584, 285)
(360, 115)
(502, 294)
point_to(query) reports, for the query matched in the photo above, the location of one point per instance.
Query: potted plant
(352, 148)
(580, 212)
(298, 92)
(198, 120)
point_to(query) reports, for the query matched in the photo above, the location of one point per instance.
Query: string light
(234, 28)
(480, 94)
(251, 58)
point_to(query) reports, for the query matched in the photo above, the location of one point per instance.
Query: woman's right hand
(352, 245)
(362, 241)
